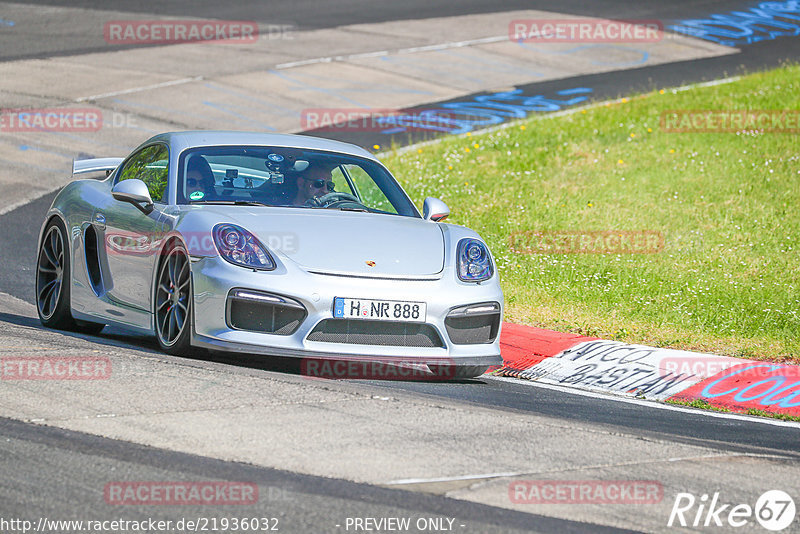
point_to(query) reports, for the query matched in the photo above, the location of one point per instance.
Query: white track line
(409, 50)
(408, 481)
(380, 53)
(139, 89)
(453, 479)
(649, 403)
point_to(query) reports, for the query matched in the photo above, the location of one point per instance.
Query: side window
(369, 192)
(339, 181)
(150, 165)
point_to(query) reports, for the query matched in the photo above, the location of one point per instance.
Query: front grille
(467, 328)
(279, 316)
(361, 332)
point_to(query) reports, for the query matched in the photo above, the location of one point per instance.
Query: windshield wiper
(365, 210)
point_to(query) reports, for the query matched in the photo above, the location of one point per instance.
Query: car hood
(354, 243)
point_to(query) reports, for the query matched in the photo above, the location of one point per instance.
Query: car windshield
(288, 177)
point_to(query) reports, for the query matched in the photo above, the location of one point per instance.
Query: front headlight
(239, 247)
(474, 262)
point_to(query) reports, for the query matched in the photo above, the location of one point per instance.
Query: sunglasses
(191, 182)
(320, 183)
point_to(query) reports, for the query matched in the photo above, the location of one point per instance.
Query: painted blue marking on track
(763, 22)
(25, 148)
(576, 90)
(6, 22)
(480, 111)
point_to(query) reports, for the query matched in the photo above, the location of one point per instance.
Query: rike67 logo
(774, 510)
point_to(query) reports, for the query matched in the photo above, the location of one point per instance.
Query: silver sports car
(268, 244)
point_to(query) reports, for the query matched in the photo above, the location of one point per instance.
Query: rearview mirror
(434, 210)
(135, 192)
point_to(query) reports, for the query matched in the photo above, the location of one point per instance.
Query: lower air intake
(473, 325)
(361, 332)
(261, 312)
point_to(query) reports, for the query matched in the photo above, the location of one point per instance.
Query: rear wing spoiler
(84, 166)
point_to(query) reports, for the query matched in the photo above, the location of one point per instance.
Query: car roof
(180, 141)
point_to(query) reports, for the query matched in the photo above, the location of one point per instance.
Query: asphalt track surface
(46, 471)
(300, 503)
(316, 14)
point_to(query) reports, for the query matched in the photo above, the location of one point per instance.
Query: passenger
(199, 177)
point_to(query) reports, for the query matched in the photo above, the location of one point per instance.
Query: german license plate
(379, 310)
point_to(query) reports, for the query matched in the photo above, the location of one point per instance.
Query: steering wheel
(333, 200)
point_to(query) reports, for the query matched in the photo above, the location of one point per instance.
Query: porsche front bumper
(214, 279)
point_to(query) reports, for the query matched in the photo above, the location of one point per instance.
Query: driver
(316, 181)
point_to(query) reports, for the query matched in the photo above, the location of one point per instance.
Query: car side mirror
(135, 192)
(434, 210)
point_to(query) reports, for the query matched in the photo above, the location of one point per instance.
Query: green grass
(728, 278)
(781, 416)
(705, 405)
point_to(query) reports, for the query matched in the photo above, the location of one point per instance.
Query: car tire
(172, 302)
(52, 278)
